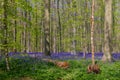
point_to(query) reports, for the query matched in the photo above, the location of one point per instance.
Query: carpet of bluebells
(62, 55)
(30, 66)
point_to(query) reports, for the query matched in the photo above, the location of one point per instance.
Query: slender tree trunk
(59, 24)
(6, 34)
(107, 31)
(15, 26)
(74, 6)
(74, 40)
(86, 30)
(15, 35)
(54, 47)
(47, 28)
(36, 31)
(25, 33)
(29, 35)
(92, 32)
(54, 40)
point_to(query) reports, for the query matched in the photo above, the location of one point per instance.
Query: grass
(35, 69)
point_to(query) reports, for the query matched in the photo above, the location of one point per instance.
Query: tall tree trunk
(59, 24)
(54, 47)
(6, 34)
(92, 32)
(25, 33)
(15, 34)
(29, 35)
(85, 30)
(74, 6)
(107, 31)
(15, 25)
(36, 31)
(47, 27)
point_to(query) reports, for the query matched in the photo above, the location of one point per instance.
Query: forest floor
(27, 68)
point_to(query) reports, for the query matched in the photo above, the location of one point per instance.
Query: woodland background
(40, 38)
(69, 25)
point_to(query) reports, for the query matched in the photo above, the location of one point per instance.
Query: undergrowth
(37, 69)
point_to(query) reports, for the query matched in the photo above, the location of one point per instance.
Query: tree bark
(6, 35)
(59, 25)
(107, 31)
(92, 33)
(47, 28)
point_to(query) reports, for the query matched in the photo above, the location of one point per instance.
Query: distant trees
(58, 26)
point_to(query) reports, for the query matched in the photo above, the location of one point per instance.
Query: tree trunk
(29, 35)
(25, 32)
(59, 25)
(92, 33)
(47, 28)
(107, 31)
(6, 34)
(15, 25)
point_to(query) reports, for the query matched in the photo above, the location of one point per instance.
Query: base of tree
(107, 59)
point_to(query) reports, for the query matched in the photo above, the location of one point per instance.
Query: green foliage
(29, 17)
(39, 70)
